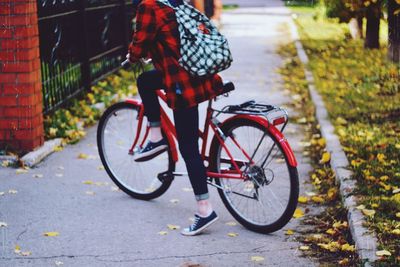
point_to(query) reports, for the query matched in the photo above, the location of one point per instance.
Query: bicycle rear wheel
(116, 132)
(265, 201)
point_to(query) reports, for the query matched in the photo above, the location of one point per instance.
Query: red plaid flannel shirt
(157, 36)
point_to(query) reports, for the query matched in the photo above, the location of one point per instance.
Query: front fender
(279, 137)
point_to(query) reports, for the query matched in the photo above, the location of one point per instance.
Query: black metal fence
(81, 41)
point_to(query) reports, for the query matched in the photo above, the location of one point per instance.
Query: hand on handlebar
(128, 61)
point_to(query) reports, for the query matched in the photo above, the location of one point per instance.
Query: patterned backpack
(204, 50)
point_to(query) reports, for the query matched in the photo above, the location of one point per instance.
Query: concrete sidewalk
(99, 226)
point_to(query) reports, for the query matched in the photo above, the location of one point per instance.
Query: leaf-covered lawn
(362, 94)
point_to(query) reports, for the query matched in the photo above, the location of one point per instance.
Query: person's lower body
(187, 129)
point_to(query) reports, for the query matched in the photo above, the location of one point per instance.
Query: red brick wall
(21, 120)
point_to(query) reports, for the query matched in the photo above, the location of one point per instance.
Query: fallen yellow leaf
(341, 121)
(332, 193)
(257, 258)
(58, 263)
(321, 142)
(174, 201)
(17, 249)
(398, 214)
(331, 246)
(396, 232)
(163, 233)
(37, 175)
(51, 234)
(83, 156)
(381, 253)
(231, 223)
(58, 148)
(303, 199)
(326, 157)
(233, 234)
(304, 248)
(317, 199)
(289, 232)
(12, 191)
(298, 213)
(381, 157)
(87, 182)
(6, 163)
(360, 207)
(3, 224)
(345, 262)
(91, 193)
(348, 247)
(173, 227)
(20, 171)
(317, 237)
(100, 168)
(330, 231)
(2, 193)
(368, 212)
(340, 224)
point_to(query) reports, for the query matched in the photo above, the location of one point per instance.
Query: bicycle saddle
(227, 87)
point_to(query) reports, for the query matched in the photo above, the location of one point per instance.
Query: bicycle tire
(112, 171)
(215, 164)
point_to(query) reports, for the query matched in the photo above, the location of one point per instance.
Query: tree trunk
(373, 23)
(360, 25)
(394, 31)
(355, 28)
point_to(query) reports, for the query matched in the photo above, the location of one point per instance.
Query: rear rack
(275, 115)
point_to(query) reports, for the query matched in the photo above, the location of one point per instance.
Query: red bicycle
(249, 160)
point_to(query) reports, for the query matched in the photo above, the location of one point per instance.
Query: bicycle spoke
(263, 198)
(118, 131)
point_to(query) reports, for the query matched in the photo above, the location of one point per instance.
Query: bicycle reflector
(279, 120)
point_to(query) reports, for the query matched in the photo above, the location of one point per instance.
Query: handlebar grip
(125, 63)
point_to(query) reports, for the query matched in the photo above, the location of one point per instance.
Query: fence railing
(81, 41)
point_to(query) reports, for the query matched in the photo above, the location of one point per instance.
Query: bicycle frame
(170, 132)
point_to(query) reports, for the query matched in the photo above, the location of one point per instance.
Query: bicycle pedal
(165, 176)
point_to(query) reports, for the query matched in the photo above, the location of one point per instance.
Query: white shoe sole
(198, 231)
(150, 154)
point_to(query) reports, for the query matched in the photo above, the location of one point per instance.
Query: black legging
(187, 130)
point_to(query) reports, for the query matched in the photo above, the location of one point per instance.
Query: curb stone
(366, 243)
(33, 158)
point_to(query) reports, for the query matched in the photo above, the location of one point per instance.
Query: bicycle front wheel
(117, 130)
(266, 199)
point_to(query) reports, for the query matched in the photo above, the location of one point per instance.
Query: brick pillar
(21, 119)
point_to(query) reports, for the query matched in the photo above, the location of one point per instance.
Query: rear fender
(273, 131)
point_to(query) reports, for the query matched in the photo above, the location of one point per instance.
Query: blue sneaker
(151, 150)
(199, 224)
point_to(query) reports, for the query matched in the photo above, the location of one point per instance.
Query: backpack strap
(167, 3)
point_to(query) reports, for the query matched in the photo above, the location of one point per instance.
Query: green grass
(229, 7)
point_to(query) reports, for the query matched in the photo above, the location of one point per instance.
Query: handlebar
(143, 61)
